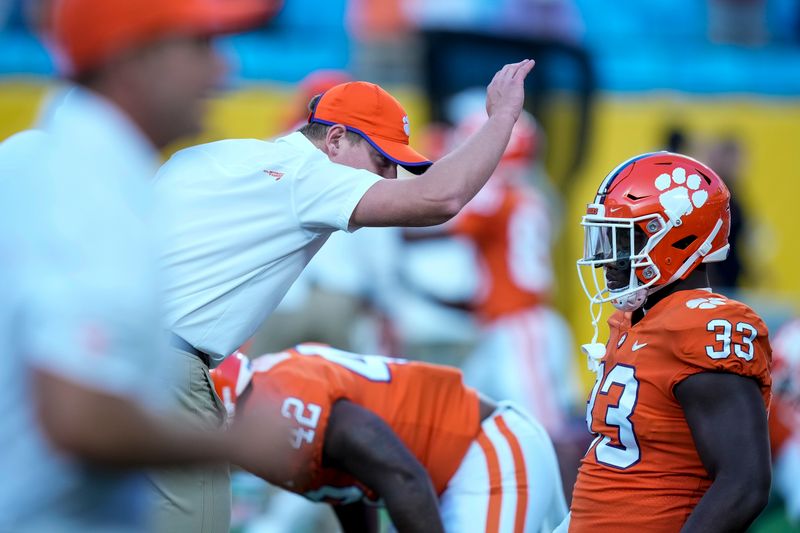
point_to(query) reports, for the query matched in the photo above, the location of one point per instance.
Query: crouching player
(372, 430)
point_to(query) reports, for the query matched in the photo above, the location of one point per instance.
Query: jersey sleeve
(781, 420)
(728, 338)
(325, 194)
(305, 399)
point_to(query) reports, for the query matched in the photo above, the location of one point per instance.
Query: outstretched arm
(103, 428)
(362, 444)
(451, 182)
(728, 420)
(98, 427)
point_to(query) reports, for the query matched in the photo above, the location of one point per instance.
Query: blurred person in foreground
(80, 302)
(685, 371)
(784, 417)
(370, 430)
(249, 214)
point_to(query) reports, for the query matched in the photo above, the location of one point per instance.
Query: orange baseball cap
(366, 109)
(88, 32)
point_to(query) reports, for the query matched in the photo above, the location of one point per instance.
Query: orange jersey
(508, 224)
(642, 472)
(784, 423)
(784, 417)
(427, 406)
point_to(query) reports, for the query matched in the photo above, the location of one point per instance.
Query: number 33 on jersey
(639, 427)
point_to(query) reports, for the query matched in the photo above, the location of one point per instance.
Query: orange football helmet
(231, 379)
(523, 144)
(662, 213)
(654, 219)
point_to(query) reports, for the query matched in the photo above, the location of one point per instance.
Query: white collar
(299, 141)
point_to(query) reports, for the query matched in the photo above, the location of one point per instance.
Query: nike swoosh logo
(637, 346)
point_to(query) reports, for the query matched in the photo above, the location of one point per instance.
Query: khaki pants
(194, 499)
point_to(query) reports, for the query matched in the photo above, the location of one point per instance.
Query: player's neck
(698, 279)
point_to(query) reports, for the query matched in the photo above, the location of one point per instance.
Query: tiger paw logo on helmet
(681, 193)
(705, 303)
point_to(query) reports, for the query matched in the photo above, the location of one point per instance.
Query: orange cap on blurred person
(313, 84)
(320, 81)
(523, 145)
(89, 32)
(366, 109)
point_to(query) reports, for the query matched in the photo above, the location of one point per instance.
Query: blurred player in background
(679, 408)
(525, 349)
(313, 84)
(409, 435)
(525, 352)
(80, 311)
(784, 417)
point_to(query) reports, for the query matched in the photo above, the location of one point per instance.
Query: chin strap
(594, 350)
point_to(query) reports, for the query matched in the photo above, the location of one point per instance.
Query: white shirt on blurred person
(80, 316)
(79, 300)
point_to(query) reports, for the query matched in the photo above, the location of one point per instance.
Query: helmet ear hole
(685, 242)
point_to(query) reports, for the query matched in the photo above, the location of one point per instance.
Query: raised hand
(506, 92)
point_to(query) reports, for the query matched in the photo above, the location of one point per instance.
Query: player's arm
(99, 427)
(728, 421)
(357, 518)
(360, 443)
(451, 182)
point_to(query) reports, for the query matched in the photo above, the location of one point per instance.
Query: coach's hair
(316, 131)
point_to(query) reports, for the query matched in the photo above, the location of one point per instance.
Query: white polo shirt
(248, 216)
(79, 298)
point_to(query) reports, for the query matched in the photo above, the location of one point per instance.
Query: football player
(679, 408)
(408, 435)
(784, 417)
(525, 350)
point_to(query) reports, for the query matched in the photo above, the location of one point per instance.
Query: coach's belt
(178, 342)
